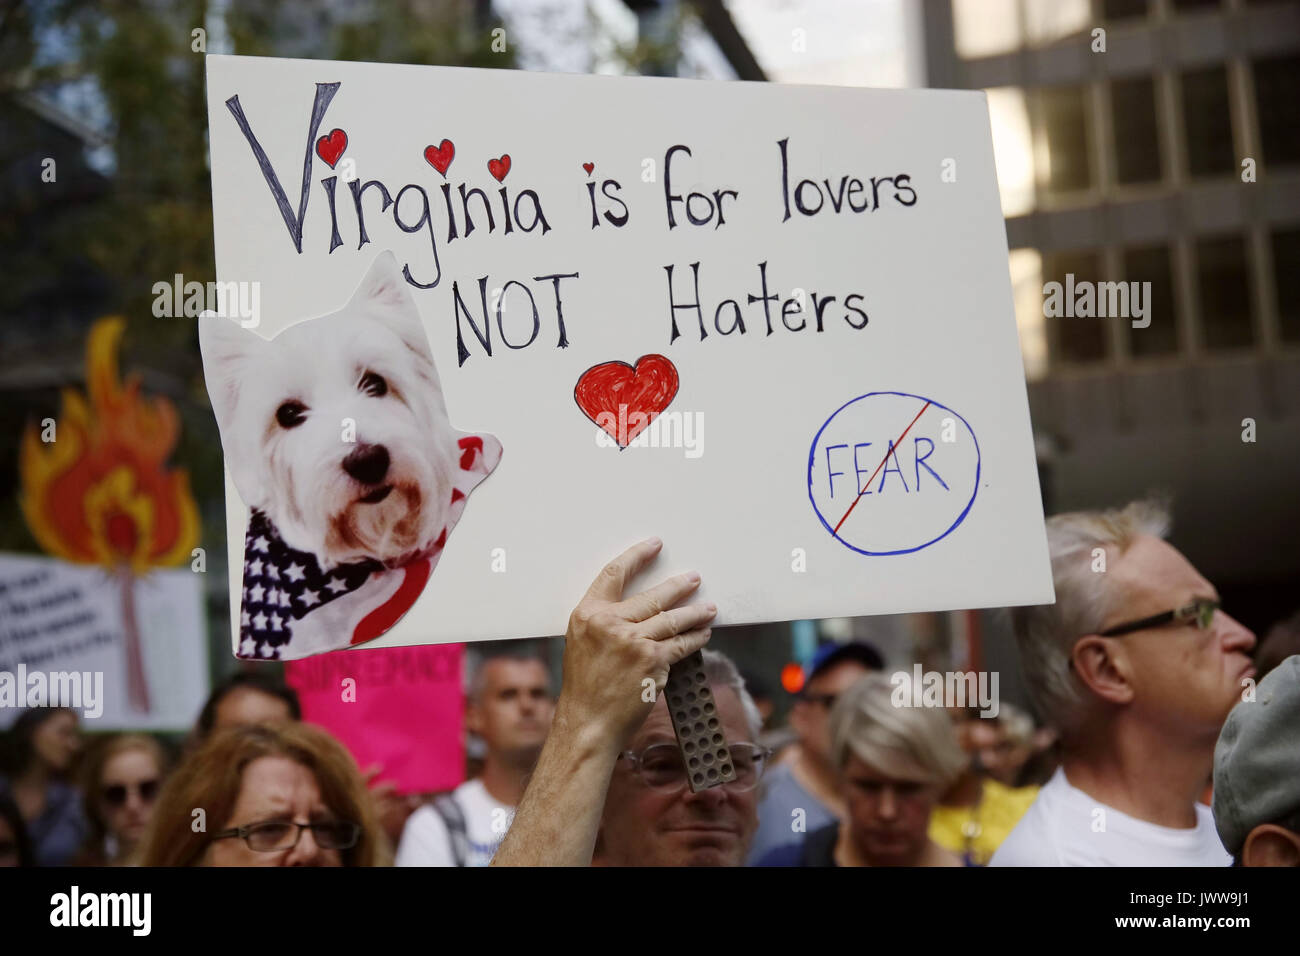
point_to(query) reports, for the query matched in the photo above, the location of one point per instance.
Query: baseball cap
(1257, 760)
(828, 655)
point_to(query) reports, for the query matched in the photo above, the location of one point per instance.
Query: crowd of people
(1165, 736)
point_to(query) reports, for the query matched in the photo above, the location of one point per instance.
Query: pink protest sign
(399, 707)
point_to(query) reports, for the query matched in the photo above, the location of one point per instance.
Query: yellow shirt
(975, 832)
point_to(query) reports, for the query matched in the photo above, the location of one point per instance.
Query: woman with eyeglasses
(43, 747)
(121, 778)
(893, 764)
(266, 795)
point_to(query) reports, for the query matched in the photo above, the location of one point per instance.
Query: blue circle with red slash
(812, 454)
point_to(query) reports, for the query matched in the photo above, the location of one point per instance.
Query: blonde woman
(893, 763)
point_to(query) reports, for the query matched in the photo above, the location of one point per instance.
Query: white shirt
(1066, 827)
(425, 841)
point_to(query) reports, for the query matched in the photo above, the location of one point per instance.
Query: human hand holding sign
(611, 646)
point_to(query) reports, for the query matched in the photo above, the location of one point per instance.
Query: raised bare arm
(611, 646)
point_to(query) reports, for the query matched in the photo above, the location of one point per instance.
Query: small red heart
(588, 167)
(440, 157)
(330, 148)
(641, 392)
(499, 168)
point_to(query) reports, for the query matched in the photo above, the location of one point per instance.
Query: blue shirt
(58, 833)
(783, 794)
(817, 849)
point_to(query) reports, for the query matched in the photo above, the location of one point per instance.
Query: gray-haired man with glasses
(1137, 666)
(607, 789)
(651, 816)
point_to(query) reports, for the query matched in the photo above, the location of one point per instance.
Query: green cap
(1257, 758)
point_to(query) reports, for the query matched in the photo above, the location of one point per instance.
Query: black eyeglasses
(661, 768)
(115, 795)
(1200, 613)
(276, 835)
(826, 700)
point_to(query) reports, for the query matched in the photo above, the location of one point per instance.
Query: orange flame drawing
(99, 492)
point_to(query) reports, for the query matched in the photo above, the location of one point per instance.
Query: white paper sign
(810, 283)
(63, 624)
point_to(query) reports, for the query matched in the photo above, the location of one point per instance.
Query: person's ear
(1102, 665)
(473, 718)
(1271, 845)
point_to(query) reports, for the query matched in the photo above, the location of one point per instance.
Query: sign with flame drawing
(99, 497)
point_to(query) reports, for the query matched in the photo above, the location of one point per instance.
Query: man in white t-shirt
(509, 706)
(1137, 667)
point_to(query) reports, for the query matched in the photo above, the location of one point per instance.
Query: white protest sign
(807, 285)
(65, 627)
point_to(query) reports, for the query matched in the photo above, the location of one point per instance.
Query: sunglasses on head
(115, 795)
(825, 700)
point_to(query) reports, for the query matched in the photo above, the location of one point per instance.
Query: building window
(1123, 9)
(1154, 265)
(1207, 122)
(1077, 338)
(1137, 147)
(1223, 282)
(986, 27)
(1013, 150)
(1062, 141)
(1286, 267)
(1277, 91)
(1047, 21)
(992, 27)
(1027, 293)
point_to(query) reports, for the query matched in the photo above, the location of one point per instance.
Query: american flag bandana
(292, 609)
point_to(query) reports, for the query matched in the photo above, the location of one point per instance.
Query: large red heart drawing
(440, 156)
(623, 398)
(330, 148)
(499, 167)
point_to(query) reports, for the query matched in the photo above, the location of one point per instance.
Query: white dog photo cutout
(337, 438)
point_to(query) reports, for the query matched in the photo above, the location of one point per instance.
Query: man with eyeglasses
(1137, 666)
(610, 788)
(652, 818)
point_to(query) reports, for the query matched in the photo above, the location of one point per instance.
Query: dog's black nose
(367, 464)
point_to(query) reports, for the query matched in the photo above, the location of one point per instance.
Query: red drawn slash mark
(499, 168)
(330, 148)
(588, 167)
(440, 156)
(878, 467)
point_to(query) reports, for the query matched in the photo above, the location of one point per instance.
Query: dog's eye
(373, 384)
(291, 414)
